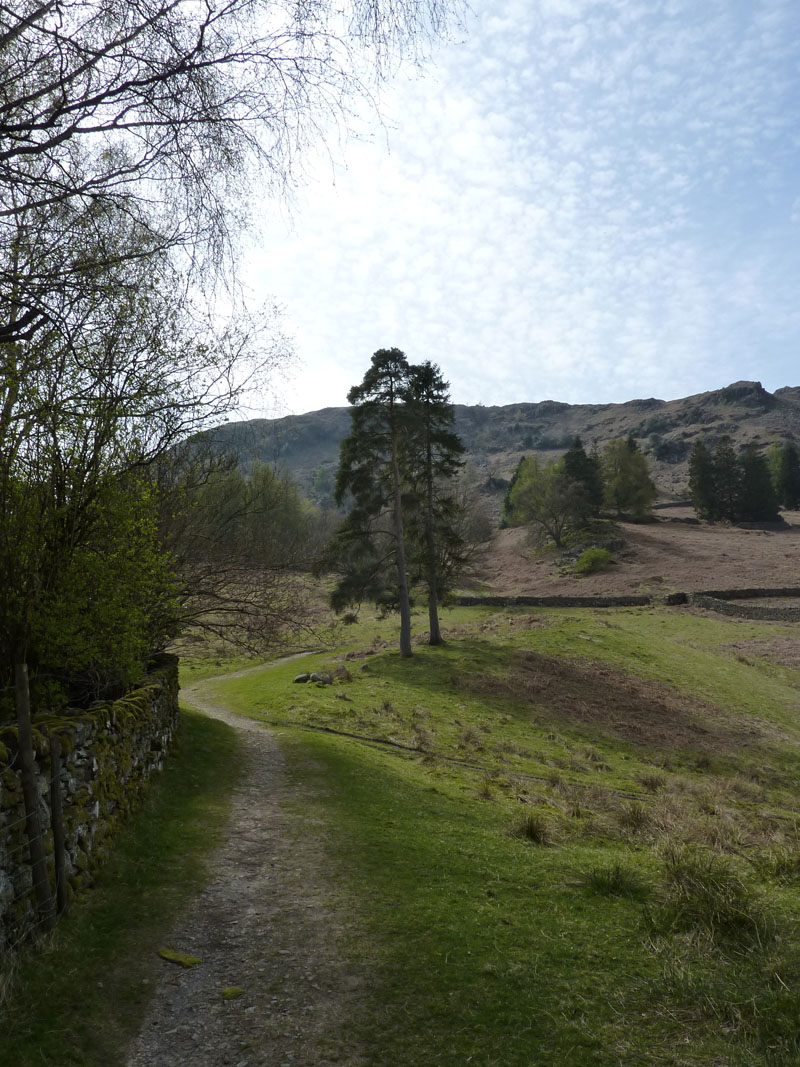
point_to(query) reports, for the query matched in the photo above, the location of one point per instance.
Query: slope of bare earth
(660, 557)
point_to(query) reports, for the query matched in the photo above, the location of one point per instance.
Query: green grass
(79, 997)
(566, 838)
(507, 855)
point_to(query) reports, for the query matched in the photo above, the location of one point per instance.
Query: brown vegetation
(658, 557)
(629, 708)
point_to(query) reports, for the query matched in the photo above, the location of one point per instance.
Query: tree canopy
(162, 110)
(396, 474)
(736, 487)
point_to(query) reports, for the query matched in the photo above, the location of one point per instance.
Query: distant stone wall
(723, 606)
(712, 600)
(553, 601)
(108, 753)
(750, 593)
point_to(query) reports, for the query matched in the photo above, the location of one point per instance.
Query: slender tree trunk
(435, 633)
(400, 558)
(33, 825)
(57, 818)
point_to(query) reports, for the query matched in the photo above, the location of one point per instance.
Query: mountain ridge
(497, 436)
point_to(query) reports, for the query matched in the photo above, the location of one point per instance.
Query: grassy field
(79, 997)
(571, 837)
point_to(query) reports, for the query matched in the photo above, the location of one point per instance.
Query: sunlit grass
(507, 848)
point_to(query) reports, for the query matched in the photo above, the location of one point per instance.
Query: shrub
(593, 560)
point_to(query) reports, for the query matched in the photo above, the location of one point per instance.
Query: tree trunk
(33, 826)
(435, 633)
(400, 558)
(57, 819)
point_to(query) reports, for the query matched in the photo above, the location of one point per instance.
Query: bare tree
(161, 108)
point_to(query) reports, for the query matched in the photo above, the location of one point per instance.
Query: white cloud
(586, 201)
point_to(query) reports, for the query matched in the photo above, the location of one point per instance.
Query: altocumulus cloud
(588, 200)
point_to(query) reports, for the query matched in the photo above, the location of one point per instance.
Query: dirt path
(264, 923)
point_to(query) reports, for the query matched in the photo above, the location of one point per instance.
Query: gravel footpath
(263, 924)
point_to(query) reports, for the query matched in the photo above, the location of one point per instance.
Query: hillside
(307, 446)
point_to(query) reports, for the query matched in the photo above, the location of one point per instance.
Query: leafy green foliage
(629, 489)
(592, 560)
(585, 471)
(784, 462)
(735, 488)
(543, 494)
(111, 605)
(397, 469)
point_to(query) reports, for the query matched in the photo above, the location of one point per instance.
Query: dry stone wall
(108, 753)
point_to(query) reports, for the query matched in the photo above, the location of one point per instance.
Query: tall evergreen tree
(727, 480)
(370, 468)
(758, 501)
(433, 456)
(787, 476)
(585, 471)
(702, 482)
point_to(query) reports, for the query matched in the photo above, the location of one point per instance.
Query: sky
(589, 201)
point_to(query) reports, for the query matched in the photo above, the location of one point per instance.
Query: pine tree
(370, 471)
(727, 480)
(432, 455)
(787, 481)
(758, 501)
(702, 482)
(585, 471)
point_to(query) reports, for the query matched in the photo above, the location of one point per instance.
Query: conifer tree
(727, 480)
(370, 471)
(702, 482)
(432, 457)
(585, 471)
(758, 501)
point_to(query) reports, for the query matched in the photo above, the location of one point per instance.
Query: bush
(592, 560)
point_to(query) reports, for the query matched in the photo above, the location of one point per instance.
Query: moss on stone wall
(108, 754)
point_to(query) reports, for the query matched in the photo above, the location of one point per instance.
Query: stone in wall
(108, 754)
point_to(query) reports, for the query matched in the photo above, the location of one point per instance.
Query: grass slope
(569, 837)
